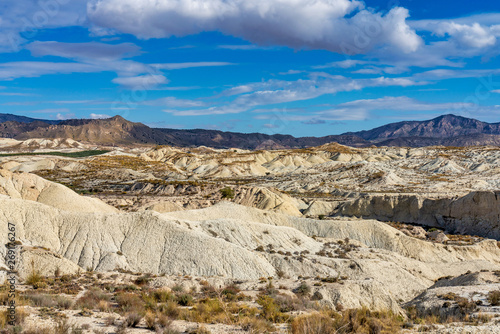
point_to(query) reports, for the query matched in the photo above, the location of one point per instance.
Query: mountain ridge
(446, 130)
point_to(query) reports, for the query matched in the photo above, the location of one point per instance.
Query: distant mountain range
(447, 130)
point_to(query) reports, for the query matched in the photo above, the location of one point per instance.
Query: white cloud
(242, 47)
(63, 117)
(496, 91)
(92, 50)
(348, 63)
(338, 26)
(291, 72)
(442, 74)
(99, 116)
(321, 117)
(172, 102)
(146, 81)
(472, 36)
(49, 111)
(21, 20)
(16, 94)
(358, 110)
(27, 69)
(270, 126)
(401, 103)
(74, 102)
(177, 66)
(280, 91)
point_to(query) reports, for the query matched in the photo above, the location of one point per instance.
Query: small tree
(227, 192)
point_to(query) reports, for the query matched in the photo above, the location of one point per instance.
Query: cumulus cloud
(340, 26)
(471, 35)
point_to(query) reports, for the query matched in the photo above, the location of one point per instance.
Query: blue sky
(300, 67)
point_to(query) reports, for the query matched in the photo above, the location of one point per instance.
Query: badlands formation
(328, 239)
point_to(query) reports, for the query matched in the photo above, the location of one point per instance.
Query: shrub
(150, 319)
(21, 314)
(315, 323)
(171, 310)
(178, 288)
(208, 310)
(37, 330)
(133, 319)
(34, 278)
(303, 289)
(365, 321)
(63, 326)
(230, 292)
(103, 306)
(270, 310)
(256, 325)
(91, 299)
(162, 296)
(143, 280)
(44, 300)
(494, 298)
(129, 302)
(200, 330)
(109, 321)
(227, 193)
(185, 300)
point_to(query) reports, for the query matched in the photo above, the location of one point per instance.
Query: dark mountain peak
(24, 119)
(454, 119)
(444, 126)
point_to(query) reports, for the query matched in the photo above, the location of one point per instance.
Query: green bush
(227, 193)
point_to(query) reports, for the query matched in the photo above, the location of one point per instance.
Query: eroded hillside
(289, 218)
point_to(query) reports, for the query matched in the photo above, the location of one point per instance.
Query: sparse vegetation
(494, 298)
(227, 193)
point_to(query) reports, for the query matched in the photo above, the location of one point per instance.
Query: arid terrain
(326, 239)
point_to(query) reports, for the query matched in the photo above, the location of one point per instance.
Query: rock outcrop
(34, 188)
(477, 213)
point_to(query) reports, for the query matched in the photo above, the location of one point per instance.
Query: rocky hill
(445, 126)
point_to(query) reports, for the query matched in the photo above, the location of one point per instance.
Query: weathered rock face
(148, 242)
(380, 265)
(223, 241)
(34, 188)
(317, 208)
(442, 298)
(477, 213)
